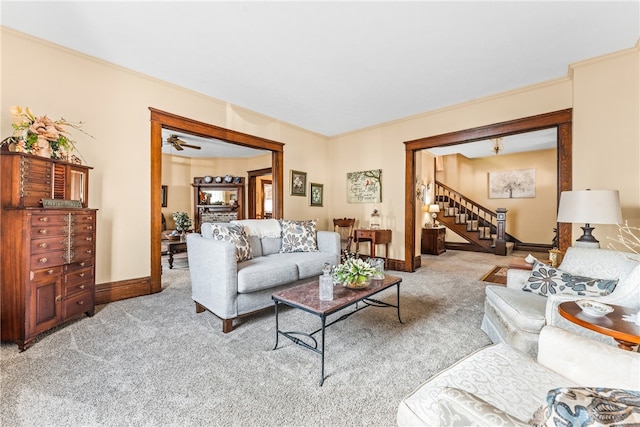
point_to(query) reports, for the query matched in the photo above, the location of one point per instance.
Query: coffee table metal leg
(323, 319)
(277, 330)
(398, 302)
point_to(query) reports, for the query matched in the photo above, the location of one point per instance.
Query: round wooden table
(627, 334)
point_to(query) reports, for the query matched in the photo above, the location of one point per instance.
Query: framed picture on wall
(317, 194)
(514, 184)
(298, 183)
(164, 196)
(364, 186)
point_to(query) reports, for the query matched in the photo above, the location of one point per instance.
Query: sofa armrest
(516, 278)
(328, 241)
(214, 274)
(588, 362)
(460, 408)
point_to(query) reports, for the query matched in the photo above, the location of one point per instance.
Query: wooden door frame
(163, 120)
(252, 188)
(561, 120)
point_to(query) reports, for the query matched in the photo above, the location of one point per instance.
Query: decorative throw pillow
(236, 235)
(546, 280)
(593, 406)
(298, 236)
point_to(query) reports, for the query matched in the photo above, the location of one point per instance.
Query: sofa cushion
(500, 375)
(460, 408)
(524, 310)
(271, 245)
(298, 236)
(309, 263)
(580, 406)
(265, 272)
(236, 235)
(545, 280)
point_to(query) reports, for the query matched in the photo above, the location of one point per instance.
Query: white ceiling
(334, 67)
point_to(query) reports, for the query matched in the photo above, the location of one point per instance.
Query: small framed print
(317, 194)
(298, 183)
(164, 196)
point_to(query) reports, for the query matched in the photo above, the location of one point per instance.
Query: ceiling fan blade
(177, 146)
(190, 146)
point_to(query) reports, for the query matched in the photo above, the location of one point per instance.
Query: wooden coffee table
(627, 334)
(306, 298)
(174, 247)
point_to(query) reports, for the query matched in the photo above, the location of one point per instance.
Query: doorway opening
(560, 120)
(162, 120)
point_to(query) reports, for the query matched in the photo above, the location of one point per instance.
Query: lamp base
(587, 240)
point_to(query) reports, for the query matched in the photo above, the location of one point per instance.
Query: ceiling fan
(179, 144)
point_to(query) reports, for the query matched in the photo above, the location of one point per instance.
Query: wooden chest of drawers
(50, 276)
(433, 240)
(48, 254)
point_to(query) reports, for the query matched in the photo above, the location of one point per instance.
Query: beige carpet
(152, 361)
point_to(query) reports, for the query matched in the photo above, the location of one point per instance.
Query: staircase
(476, 224)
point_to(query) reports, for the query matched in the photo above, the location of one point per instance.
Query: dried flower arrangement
(42, 136)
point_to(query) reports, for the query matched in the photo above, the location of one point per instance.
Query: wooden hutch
(217, 201)
(48, 245)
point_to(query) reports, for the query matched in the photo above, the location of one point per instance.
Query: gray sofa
(230, 289)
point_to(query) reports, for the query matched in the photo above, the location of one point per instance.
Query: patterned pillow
(581, 406)
(236, 235)
(546, 280)
(298, 236)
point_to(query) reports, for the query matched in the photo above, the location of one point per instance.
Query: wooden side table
(376, 237)
(432, 241)
(627, 334)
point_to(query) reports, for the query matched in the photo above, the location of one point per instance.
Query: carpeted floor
(153, 361)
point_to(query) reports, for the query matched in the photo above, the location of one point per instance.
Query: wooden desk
(627, 334)
(376, 237)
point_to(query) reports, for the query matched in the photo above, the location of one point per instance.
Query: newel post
(501, 243)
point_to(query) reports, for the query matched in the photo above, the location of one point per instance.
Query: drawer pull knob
(89, 218)
(81, 274)
(90, 227)
(89, 251)
(88, 239)
(82, 264)
(80, 302)
(43, 245)
(43, 260)
(44, 219)
(59, 298)
(50, 271)
(81, 286)
(44, 231)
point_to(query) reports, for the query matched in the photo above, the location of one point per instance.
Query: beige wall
(530, 220)
(113, 103)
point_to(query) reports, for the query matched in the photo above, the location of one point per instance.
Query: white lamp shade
(434, 208)
(590, 207)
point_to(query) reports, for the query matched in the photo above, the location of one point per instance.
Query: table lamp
(589, 207)
(434, 209)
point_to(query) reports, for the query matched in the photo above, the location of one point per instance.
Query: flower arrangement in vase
(41, 135)
(182, 220)
(354, 273)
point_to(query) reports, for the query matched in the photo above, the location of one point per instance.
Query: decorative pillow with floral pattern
(546, 280)
(298, 236)
(235, 234)
(589, 406)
